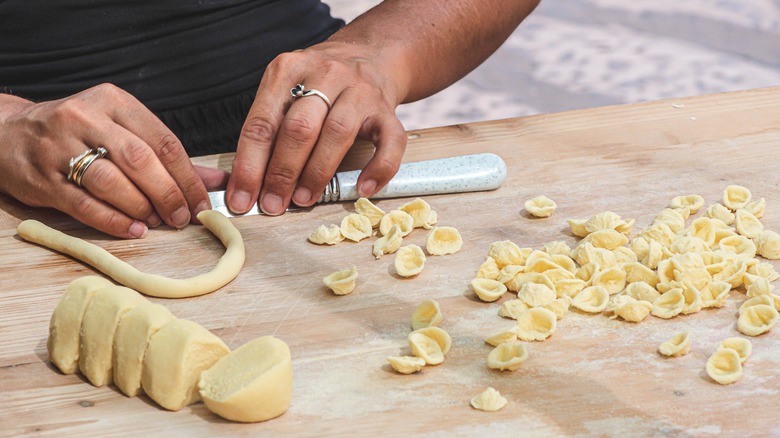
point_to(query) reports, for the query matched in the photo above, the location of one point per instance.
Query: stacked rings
(79, 164)
(300, 91)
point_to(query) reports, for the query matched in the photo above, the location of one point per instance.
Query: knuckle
(259, 130)
(319, 175)
(84, 206)
(281, 176)
(169, 148)
(387, 167)
(101, 178)
(109, 91)
(169, 196)
(137, 157)
(300, 128)
(338, 127)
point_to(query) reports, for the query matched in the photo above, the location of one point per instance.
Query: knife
(465, 173)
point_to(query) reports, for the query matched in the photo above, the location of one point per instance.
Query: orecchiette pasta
(508, 335)
(756, 207)
(396, 217)
(419, 210)
(534, 294)
(768, 245)
(757, 319)
(537, 324)
(512, 308)
(443, 241)
(406, 364)
(678, 345)
(669, 304)
(488, 290)
(592, 299)
(342, 282)
(691, 202)
(715, 294)
(736, 197)
(718, 211)
(724, 366)
(642, 291)
(540, 206)
(748, 224)
(426, 314)
(742, 346)
(356, 227)
(612, 279)
(506, 252)
(631, 310)
(389, 243)
(368, 209)
(560, 306)
(507, 356)
(409, 261)
(490, 400)
(326, 235)
(430, 344)
(488, 269)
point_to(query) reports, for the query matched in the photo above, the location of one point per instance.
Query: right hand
(145, 179)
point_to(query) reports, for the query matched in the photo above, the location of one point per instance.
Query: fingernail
(181, 217)
(239, 201)
(153, 220)
(137, 230)
(272, 204)
(367, 188)
(302, 196)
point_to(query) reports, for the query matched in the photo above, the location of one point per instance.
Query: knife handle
(466, 173)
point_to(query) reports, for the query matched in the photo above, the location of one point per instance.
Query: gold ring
(79, 164)
(298, 91)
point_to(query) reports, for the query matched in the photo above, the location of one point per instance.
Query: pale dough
(342, 282)
(389, 243)
(368, 209)
(253, 383)
(430, 344)
(356, 227)
(678, 345)
(507, 356)
(540, 206)
(537, 324)
(443, 241)
(742, 346)
(326, 235)
(226, 270)
(419, 210)
(724, 366)
(406, 364)
(409, 261)
(756, 320)
(488, 290)
(426, 314)
(489, 401)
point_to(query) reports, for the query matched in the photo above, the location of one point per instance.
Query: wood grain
(594, 376)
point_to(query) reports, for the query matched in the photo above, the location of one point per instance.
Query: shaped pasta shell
(736, 197)
(368, 209)
(715, 294)
(430, 344)
(760, 299)
(569, 287)
(636, 272)
(748, 224)
(758, 319)
(756, 207)
(612, 279)
(326, 235)
(506, 252)
(443, 241)
(490, 400)
(634, 311)
(508, 335)
(409, 261)
(534, 294)
(558, 247)
(607, 239)
(669, 304)
(537, 324)
(488, 290)
(692, 300)
(592, 299)
(742, 346)
(540, 206)
(342, 282)
(642, 291)
(419, 210)
(691, 202)
(488, 269)
(389, 243)
(768, 245)
(513, 308)
(507, 356)
(356, 227)
(718, 211)
(426, 314)
(679, 345)
(396, 217)
(724, 366)
(560, 306)
(577, 227)
(406, 364)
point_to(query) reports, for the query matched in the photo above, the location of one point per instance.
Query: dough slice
(132, 336)
(98, 328)
(253, 383)
(174, 359)
(65, 324)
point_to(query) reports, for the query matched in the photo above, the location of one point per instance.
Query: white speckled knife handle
(467, 173)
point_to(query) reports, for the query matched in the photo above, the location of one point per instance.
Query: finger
(338, 133)
(105, 181)
(297, 136)
(91, 211)
(258, 134)
(213, 179)
(389, 137)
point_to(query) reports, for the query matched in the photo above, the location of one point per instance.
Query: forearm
(427, 45)
(10, 105)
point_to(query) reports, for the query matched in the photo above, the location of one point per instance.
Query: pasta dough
(537, 324)
(756, 320)
(742, 346)
(397, 217)
(356, 227)
(736, 197)
(678, 345)
(426, 314)
(489, 401)
(488, 290)
(419, 210)
(153, 285)
(389, 243)
(430, 344)
(507, 356)
(324, 235)
(342, 282)
(540, 206)
(592, 299)
(251, 384)
(669, 304)
(368, 209)
(724, 366)
(508, 335)
(443, 241)
(406, 364)
(409, 261)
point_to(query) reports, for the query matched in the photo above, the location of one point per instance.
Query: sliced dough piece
(406, 364)
(132, 336)
(430, 344)
(397, 217)
(389, 243)
(754, 320)
(443, 241)
(537, 324)
(426, 314)
(175, 358)
(98, 330)
(342, 282)
(679, 345)
(742, 346)
(153, 285)
(540, 206)
(252, 383)
(507, 356)
(326, 235)
(419, 210)
(409, 261)
(489, 401)
(724, 366)
(368, 209)
(65, 324)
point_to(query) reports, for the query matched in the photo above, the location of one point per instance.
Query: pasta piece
(691, 202)
(768, 245)
(679, 345)
(760, 299)
(673, 219)
(724, 366)
(756, 207)
(669, 304)
(368, 209)
(513, 308)
(516, 283)
(326, 235)
(637, 272)
(409, 261)
(430, 344)
(506, 252)
(736, 197)
(508, 335)
(577, 227)
(560, 306)
(756, 320)
(624, 255)
(396, 217)
(419, 210)
(592, 299)
(605, 220)
(356, 227)
(742, 346)
(509, 272)
(758, 286)
(406, 364)
(715, 294)
(540, 206)
(569, 287)
(507, 356)
(342, 282)
(488, 269)
(692, 299)
(718, 211)
(489, 401)
(739, 245)
(612, 279)
(764, 269)
(389, 243)
(631, 310)
(642, 291)
(443, 241)
(587, 271)
(747, 224)
(537, 324)
(607, 239)
(426, 314)
(433, 218)
(488, 290)
(558, 247)
(534, 294)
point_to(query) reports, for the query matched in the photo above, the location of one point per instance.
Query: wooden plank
(595, 376)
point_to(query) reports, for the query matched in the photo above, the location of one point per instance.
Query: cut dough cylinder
(174, 359)
(98, 329)
(251, 384)
(132, 336)
(65, 324)
(153, 285)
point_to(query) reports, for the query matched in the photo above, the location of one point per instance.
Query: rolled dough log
(253, 383)
(226, 270)
(132, 336)
(174, 359)
(65, 324)
(98, 328)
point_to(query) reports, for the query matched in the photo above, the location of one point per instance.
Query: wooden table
(594, 376)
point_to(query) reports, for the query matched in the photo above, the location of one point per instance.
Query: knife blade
(465, 173)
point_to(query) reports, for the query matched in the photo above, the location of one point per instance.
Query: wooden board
(595, 376)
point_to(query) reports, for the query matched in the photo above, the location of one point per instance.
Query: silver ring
(79, 164)
(298, 91)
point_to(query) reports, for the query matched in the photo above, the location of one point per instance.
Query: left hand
(289, 149)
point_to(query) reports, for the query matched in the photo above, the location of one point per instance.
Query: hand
(145, 179)
(289, 149)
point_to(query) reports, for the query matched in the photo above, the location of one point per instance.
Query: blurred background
(572, 54)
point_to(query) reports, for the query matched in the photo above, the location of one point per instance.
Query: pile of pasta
(678, 265)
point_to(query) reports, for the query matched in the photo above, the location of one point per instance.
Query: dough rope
(153, 285)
